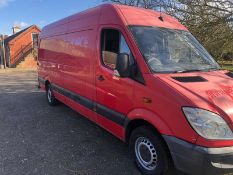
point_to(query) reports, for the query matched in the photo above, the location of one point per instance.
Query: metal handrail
(21, 52)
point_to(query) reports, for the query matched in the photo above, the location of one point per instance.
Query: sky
(24, 13)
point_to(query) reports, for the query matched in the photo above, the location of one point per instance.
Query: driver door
(114, 95)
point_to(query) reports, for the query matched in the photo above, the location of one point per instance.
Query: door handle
(101, 78)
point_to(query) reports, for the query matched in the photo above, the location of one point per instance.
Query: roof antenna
(160, 11)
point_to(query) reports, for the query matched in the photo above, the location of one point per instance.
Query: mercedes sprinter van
(142, 76)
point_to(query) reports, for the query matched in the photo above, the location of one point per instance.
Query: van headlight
(208, 124)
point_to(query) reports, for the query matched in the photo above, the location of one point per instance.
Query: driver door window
(113, 43)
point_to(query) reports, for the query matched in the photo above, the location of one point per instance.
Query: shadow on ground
(39, 139)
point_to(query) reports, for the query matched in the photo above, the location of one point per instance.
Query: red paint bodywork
(69, 56)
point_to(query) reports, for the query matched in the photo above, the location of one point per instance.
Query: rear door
(113, 94)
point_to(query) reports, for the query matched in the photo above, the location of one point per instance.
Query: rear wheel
(50, 96)
(149, 152)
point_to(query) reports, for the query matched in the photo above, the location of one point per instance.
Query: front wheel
(149, 152)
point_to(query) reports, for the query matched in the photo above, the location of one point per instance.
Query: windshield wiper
(198, 70)
(187, 71)
(213, 69)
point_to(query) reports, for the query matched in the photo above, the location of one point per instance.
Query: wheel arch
(142, 117)
(47, 82)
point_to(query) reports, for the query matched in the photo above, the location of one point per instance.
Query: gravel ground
(42, 140)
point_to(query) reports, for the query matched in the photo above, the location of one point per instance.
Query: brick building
(19, 47)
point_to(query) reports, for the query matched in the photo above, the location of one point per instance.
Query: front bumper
(197, 160)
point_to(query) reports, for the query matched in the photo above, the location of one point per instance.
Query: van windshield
(172, 51)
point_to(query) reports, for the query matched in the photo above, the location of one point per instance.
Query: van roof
(147, 17)
(114, 14)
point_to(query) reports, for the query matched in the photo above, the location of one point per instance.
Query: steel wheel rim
(146, 153)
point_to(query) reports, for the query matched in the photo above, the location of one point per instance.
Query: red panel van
(143, 77)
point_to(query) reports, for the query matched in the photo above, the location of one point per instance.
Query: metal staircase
(20, 55)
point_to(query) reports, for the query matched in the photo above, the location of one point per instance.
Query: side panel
(52, 54)
(67, 58)
(78, 68)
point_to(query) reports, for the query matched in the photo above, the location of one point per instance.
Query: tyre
(149, 152)
(52, 101)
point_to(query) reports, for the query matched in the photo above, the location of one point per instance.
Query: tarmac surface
(42, 140)
(38, 139)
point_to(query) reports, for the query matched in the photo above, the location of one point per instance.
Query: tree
(210, 21)
(148, 4)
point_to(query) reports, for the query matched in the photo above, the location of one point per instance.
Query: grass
(227, 66)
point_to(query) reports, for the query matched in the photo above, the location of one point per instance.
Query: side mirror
(122, 65)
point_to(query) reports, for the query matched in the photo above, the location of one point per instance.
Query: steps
(28, 62)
